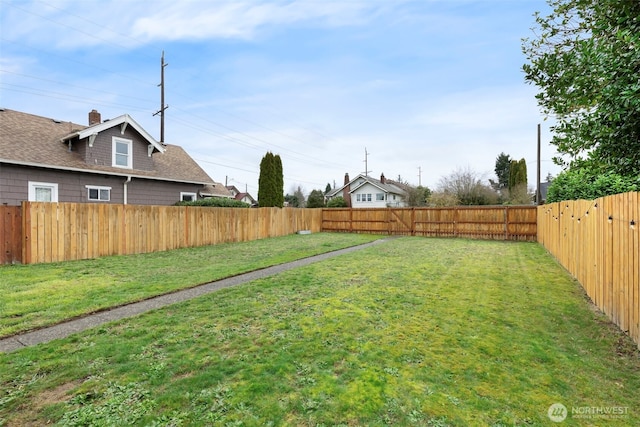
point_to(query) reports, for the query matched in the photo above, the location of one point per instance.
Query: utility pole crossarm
(366, 162)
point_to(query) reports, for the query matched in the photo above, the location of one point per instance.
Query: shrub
(575, 184)
(216, 202)
(337, 202)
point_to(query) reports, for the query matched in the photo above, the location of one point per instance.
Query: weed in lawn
(117, 405)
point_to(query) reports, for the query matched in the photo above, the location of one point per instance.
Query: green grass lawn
(41, 295)
(415, 331)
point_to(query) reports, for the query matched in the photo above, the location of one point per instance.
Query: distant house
(215, 190)
(111, 161)
(242, 197)
(366, 192)
(544, 188)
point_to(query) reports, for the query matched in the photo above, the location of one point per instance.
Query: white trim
(188, 193)
(99, 188)
(125, 118)
(34, 185)
(97, 171)
(114, 142)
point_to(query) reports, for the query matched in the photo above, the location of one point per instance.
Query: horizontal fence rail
(597, 241)
(477, 222)
(70, 231)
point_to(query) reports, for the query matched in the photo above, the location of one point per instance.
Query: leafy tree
(337, 202)
(295, 200)
(585, 60)
(271, 181)
(442, 199)
(299, 194)
(588, 184)
(417, 196)
(466, 187)
(315, 199)
(292, 200)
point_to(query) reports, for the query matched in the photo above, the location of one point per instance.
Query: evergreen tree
(315, 199)
(271, 182)
(503, 165)
(279, 182)
(517, 174)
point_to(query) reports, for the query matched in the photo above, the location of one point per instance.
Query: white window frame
(114, 142)
(380, 197)
(34, 185)
(187, 193)
(100, 188)
(363, 197)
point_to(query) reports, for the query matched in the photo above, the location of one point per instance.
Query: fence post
(506, 223)
(413, 221)
(455, 221)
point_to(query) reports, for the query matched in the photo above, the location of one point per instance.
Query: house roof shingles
(32, 140)
(391, 187)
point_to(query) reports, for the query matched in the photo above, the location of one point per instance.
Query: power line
(296, 155)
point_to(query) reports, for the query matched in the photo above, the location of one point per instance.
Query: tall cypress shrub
(271, 181)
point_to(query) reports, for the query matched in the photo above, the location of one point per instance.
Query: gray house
(111, 161)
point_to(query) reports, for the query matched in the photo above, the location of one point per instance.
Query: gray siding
(101, 152)
(148, 192)
(14, 186)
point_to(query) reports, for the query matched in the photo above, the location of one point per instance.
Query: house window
(97, 193)
(363, 197)
(43, 192)
(379, 197)
(188, 197)
(121, 150)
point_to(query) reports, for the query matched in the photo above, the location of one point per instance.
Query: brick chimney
(94, 118)
(346, 190)
(383, 180)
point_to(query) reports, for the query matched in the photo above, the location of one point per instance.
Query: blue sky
(425, 87)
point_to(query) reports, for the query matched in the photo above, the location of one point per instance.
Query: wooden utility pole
(419, 176)
(162, 105)
(366, 162)
(538, 192)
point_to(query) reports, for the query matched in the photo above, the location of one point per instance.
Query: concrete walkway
(67, 328)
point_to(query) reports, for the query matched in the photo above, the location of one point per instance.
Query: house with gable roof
(242, 197)
(110, 161)
(366, 192)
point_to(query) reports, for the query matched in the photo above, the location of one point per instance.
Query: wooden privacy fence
(10, 234)
(598, 241)
(478, 222)
(71, 231)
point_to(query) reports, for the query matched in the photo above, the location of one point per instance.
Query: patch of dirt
(28, 414)
(625, 347)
